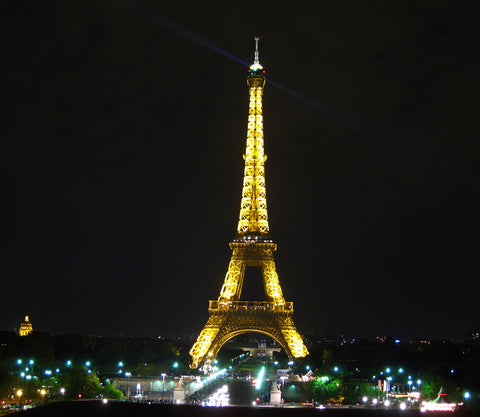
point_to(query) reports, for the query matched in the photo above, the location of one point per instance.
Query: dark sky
(123, 127)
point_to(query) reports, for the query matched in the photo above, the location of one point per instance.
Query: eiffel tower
(229, 316)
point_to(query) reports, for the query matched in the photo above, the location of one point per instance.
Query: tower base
(229, 319)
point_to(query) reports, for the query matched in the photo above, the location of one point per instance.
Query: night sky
(123, 126)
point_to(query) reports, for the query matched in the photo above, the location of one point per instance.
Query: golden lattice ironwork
(229, 316)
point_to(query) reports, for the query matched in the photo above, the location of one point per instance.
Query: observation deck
(249, 307)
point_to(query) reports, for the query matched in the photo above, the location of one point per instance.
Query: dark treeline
(136, 355)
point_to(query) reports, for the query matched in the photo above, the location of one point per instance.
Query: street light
(43, 392)
(163, 389)
(19, 395)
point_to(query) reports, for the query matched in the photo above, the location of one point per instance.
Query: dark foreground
(120, 409)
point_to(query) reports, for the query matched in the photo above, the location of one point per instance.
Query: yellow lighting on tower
(228, 315)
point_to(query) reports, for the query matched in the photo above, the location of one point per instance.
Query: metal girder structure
(229, 319)
(229, 316)
(253, 217)
(251, 253)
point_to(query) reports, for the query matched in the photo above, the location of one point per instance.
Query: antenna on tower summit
(256, 63)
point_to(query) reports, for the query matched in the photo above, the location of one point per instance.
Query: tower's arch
(228, 336)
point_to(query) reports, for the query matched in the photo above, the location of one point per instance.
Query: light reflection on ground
(219, 398)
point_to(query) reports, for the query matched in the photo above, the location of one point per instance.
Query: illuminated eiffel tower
(229, 316)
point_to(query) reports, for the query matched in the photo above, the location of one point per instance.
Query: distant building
(25, 328)
(261, 349)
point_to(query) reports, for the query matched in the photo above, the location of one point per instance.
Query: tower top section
(253, 220)
(256, 69)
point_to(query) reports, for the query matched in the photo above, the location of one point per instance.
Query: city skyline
(125, 128)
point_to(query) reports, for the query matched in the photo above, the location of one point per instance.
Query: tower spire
(253, 219)
(256, 66)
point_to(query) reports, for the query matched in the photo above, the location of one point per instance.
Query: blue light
(69, 363)
(335, 369)
(31, 362)
(175, 365)
(19, 361)
(466, 395)
(48, 372)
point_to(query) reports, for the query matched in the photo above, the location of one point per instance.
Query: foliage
(78, 381)
(145, 369)
(110, 392)
(328, 390)
(432, 385)
(355, 391)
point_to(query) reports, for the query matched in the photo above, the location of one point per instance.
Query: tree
(328, 390)
(79, 382)
(112, 393)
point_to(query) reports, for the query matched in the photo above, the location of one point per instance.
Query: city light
(437, 406)
(258, 384)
